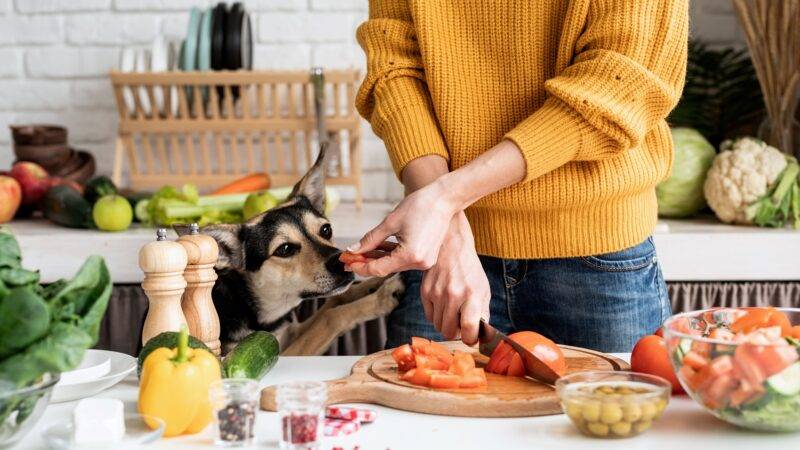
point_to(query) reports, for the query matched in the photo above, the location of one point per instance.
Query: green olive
(598, 429)
(621, 428)
(643, 426)
(631, 412)
(591, 411)
(610, 413)
(661, 404)
(574, 410)
(649, 411)
(624, 390)
(606, 389)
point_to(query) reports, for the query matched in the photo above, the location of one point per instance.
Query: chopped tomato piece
(404, 357)
(687, 374)
(439, 352)
(418, 344)
(462, 363)
(701, 348)
(772, 358)
(757, 318)
(695, 360)
(350, 258)
(745, 393)
(472, 381)
(444, 381)
(498, 355)
(421, 377)
(429, 362)
(795, 333)
(408, 375)
(721, 334)
(748, 366)
(718, 393)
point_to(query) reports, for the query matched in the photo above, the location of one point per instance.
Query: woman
(530, 136)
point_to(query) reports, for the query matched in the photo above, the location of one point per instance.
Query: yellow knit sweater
(582, 87)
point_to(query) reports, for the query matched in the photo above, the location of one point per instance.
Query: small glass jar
(234, 402)
(301, 407)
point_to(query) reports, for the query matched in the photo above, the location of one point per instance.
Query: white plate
(93, 366)
(121, 366)
(143, 65)
(159, 62)
(127, 63)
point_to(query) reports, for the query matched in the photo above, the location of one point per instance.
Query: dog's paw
(394, 286)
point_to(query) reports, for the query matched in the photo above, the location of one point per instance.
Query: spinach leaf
(88, 285)
(17, 276)
(10, 255)
(61, 350)
(24, 318)
(3, 290)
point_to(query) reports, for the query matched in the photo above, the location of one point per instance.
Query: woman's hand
(419, 223)
(455, 291)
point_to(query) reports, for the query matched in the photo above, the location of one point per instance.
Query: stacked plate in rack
(217, 38)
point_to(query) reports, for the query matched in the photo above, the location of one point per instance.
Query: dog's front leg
(328, 324)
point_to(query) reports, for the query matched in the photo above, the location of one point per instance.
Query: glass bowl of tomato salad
(740, 364)
(612, 404)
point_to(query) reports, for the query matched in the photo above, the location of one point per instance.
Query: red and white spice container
(301, 409)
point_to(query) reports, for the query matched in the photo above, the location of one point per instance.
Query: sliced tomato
(462, 364)
(695, 360)
(772, 358)
(404, 357)
(756, 318)
(504, 359)
(748, 366)
(516, 368)
(745, 393)
(429, 362)
(499, 354)
(717, 395)
(350, 258)
(421, 377)
(408, 375)
(542, 347)
(686, 373)
(702, 348)
(722, 334)
(419, 344)
(472, 380)
(439, 352)
(444, 381)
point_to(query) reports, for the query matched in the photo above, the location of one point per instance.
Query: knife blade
(489, 338)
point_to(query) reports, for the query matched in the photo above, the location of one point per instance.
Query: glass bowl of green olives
(613, 405)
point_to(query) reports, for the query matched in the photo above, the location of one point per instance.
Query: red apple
(10, 198)
(33, 180)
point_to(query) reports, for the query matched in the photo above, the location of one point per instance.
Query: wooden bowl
(85, 170)
(38, 134)
(49, 156)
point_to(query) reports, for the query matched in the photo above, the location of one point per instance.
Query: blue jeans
(602, 302)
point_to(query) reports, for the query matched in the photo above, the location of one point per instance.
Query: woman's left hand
(419, 223)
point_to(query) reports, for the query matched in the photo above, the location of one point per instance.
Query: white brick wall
(55, 55)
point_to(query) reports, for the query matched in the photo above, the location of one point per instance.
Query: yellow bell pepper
(174, 387)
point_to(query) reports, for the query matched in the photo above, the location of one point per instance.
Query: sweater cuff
(407, 123)
(549, 138)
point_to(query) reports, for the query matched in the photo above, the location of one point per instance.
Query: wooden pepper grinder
(198, 307)
(163, 263)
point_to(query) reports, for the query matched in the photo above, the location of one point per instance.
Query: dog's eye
(326, 231)
(286, 250)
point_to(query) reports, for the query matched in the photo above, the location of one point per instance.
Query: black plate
(247, 42)
(233, 37)
(219, 21)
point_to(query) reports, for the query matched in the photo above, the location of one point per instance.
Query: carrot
(250, 183)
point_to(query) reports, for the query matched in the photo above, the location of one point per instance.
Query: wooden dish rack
(210, 128)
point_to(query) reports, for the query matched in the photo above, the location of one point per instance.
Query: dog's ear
(231, 247)
(312, 185)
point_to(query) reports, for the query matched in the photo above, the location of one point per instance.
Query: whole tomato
(650, 356)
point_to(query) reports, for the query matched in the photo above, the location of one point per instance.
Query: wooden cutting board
(374, 379)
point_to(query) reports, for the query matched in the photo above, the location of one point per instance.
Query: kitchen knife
(489, 338)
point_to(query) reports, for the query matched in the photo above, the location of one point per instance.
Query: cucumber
(168, 339)
(253, 357)
(786, 382)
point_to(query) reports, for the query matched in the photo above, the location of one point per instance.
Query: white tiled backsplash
(55, 54)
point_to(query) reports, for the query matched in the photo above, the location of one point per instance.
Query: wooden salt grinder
(198, 307)
(163, 263)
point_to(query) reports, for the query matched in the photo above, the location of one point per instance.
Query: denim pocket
(630, 259)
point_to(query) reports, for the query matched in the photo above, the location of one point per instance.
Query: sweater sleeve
(626, 76)
(394, 95)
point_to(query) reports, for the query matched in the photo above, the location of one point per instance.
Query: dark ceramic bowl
(80, 167)
(49, 156)
(38, 134)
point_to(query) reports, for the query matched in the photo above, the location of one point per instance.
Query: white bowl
(121, 365)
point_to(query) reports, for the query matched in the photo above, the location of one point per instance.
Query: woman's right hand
(419, 223)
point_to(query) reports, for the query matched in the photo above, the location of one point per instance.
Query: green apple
(112, 213)
(256, 204)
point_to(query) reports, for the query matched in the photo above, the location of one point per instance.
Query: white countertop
(684, 426)
(689, 250)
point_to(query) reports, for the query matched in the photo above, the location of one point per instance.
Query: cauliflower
(744, 176)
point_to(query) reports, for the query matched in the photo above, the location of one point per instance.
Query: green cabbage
(681, 194)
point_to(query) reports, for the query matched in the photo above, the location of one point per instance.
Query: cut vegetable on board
(430, 364)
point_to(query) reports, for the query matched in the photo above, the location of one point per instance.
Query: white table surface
(699, 249)
(684, 426)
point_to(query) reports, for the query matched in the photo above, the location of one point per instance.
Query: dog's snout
(334, 265)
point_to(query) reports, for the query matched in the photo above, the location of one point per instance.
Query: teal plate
(204, 47)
